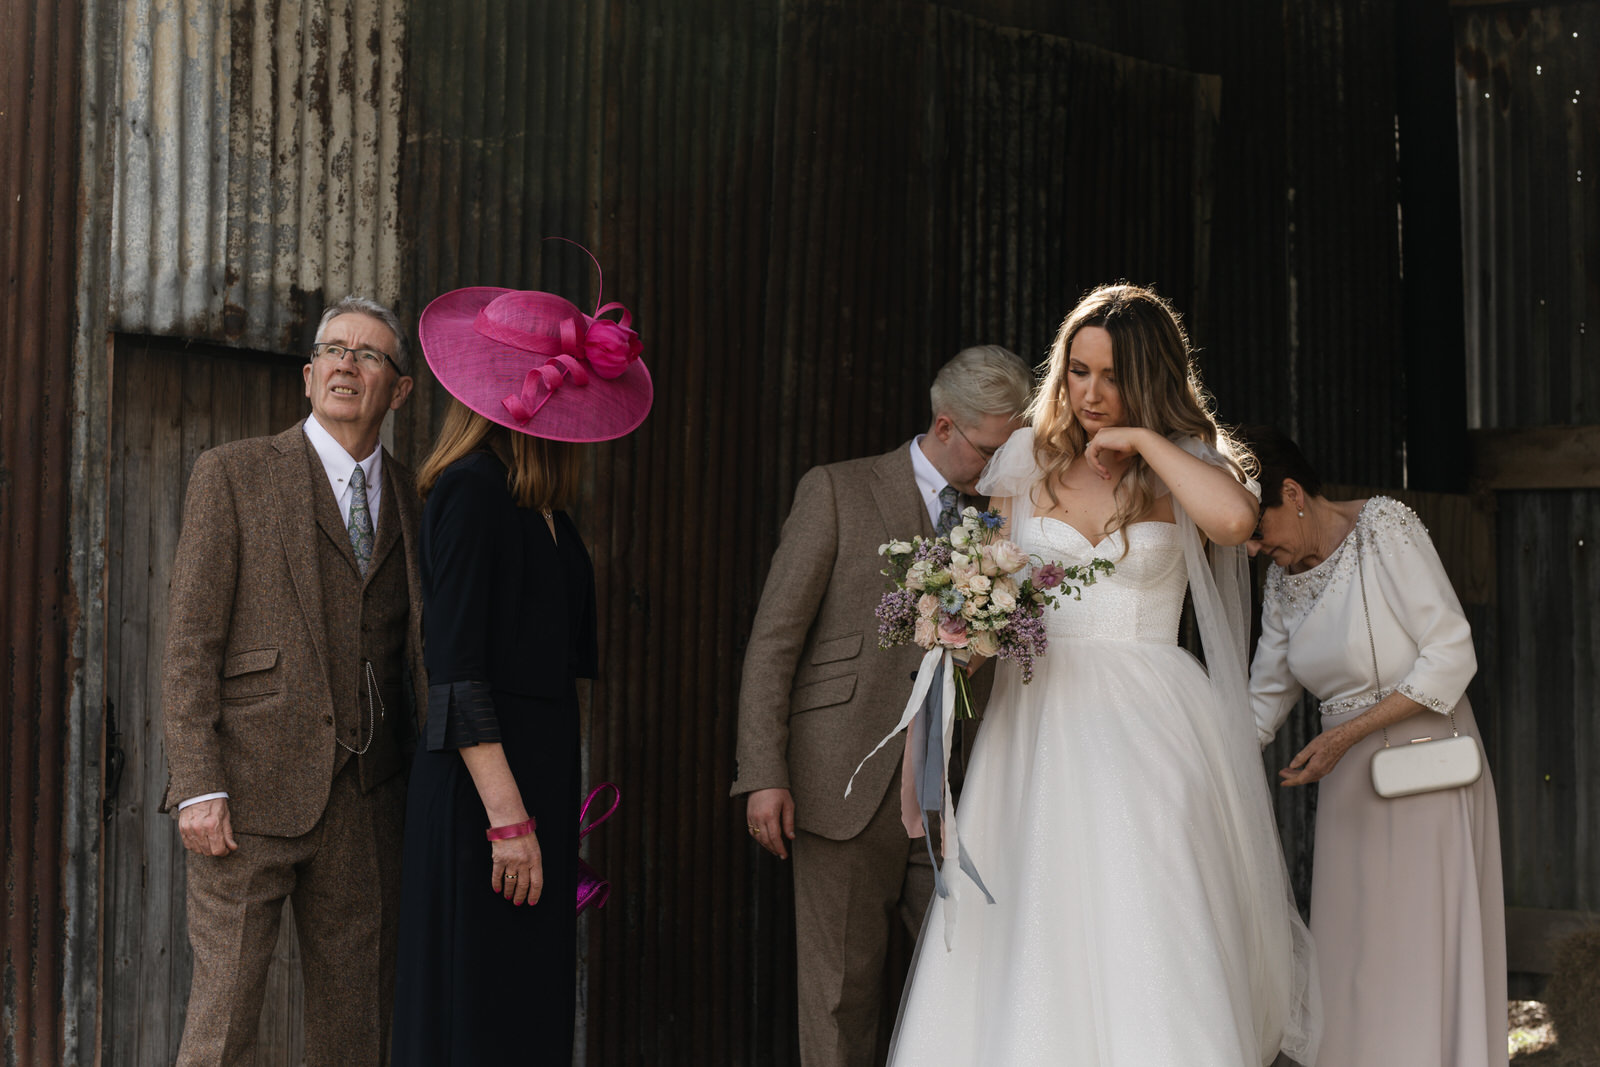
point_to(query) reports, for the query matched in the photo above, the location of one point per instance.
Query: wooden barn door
(170, 402)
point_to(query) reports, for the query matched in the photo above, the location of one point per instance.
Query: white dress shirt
(930, 483)
(339, 465)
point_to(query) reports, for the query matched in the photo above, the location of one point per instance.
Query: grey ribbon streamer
(928, 764)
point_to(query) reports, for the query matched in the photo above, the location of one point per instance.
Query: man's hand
(206, 829)
(769, 815)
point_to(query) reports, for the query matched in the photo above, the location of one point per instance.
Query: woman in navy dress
(488, 927)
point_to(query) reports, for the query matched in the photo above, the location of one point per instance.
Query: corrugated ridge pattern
(256, 167)
(1528, 91)
(38, 199)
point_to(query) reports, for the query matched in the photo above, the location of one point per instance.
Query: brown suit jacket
(245, 684)
(817, 691)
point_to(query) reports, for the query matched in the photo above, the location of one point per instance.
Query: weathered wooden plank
(1541, 457)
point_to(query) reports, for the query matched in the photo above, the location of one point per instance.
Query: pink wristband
(516, 829)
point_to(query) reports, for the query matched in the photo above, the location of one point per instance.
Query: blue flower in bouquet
(951, 600)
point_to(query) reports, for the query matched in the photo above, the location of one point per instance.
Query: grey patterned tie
(360, 520)
(949, 510)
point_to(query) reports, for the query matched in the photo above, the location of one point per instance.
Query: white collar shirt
(339, 466)
(929, 481)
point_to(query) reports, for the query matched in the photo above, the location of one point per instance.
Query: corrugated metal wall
(1529, 94)
(808, 204)
(38, 201)
(257, 165)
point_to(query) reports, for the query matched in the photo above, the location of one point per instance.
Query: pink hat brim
(482, 372)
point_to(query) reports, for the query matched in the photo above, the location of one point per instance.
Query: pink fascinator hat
(535, 363)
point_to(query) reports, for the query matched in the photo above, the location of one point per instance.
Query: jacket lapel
(294, 496)
(389, 518)
(899, 502)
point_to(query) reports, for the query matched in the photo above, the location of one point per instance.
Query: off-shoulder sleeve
(462, 514)
(1413, 583)
(1273, 688)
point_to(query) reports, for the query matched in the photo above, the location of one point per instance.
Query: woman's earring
(1300, 513)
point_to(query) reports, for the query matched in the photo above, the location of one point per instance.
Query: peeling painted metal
(257, 165)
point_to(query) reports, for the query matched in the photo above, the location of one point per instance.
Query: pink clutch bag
(593, 890)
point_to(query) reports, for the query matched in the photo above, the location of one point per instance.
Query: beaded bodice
(1141, 600)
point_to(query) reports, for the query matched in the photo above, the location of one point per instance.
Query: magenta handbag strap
(583, 831)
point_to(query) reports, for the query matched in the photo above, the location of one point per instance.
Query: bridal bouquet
(974, 592)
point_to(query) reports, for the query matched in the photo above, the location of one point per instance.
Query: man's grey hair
(981, 380)
(360, 305)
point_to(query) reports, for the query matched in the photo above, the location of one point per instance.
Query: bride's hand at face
(1113, 445)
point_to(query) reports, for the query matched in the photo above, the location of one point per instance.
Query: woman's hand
(1114, 445)
(1319, 757)
(518, 871)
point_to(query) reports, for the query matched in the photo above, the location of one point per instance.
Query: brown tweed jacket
(245, 684)
(817, 691)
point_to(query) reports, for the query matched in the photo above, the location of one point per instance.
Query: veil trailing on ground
(1285, 1000)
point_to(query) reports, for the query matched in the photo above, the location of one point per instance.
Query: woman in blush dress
(1406, 900)
(488, 921)
(1116, 806)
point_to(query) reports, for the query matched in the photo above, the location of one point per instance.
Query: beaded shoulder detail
(1383, 522)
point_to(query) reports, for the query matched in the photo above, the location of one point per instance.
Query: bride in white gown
(1117, 807)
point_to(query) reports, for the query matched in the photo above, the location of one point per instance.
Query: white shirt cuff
(202, 796)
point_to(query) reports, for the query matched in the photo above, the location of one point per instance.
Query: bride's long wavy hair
(1157, 379)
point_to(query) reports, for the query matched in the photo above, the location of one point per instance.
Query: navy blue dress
(508, 625)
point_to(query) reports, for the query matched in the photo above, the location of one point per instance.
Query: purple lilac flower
(897, 618)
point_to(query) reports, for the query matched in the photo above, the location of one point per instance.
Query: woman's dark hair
(1278, 457)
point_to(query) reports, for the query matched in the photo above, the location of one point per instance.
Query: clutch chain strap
(1377, 679)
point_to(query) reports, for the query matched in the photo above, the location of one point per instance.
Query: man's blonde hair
(980, 381)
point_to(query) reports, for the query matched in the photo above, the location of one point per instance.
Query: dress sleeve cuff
(460, 715)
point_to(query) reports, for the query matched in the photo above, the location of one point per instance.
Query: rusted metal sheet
(1529, 96)
(256, 165)
(38, 166)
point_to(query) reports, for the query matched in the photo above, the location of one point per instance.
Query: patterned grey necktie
(949, 510)
(360, 520)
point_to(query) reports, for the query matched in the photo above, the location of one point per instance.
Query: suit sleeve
(200, 609)
(797, 582)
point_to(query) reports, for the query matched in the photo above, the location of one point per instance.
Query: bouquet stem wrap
(930, 716)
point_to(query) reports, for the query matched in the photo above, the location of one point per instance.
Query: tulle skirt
(1100, 813)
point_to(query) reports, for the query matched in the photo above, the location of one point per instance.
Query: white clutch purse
(1424, 764)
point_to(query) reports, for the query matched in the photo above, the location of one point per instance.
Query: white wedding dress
(1141, 915)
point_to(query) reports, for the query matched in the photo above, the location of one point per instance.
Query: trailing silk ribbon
(925, 771)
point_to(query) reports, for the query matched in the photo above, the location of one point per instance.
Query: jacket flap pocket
(257, 659)
(822, 694)
(847, 647)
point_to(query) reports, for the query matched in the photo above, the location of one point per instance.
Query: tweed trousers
(846, 895)
(236, 905)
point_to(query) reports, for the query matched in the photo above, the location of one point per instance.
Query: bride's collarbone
(1090, 504)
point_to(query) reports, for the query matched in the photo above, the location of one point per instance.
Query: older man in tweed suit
(817, 695)
(293, 661)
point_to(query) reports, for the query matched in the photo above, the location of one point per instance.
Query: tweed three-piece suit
(277, 646)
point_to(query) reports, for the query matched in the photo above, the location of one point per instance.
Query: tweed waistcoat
(366, 623)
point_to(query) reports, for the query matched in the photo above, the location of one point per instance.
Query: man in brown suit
(818, 693)
(293, 661)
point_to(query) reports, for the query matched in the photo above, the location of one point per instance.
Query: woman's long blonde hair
(1157, 380)
(539, 473)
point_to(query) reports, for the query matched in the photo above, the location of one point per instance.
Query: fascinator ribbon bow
(578, 345)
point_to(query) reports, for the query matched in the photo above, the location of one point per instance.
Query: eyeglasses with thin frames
(986, 453)
(367, 358)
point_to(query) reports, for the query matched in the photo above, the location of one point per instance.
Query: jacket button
(328, 719)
